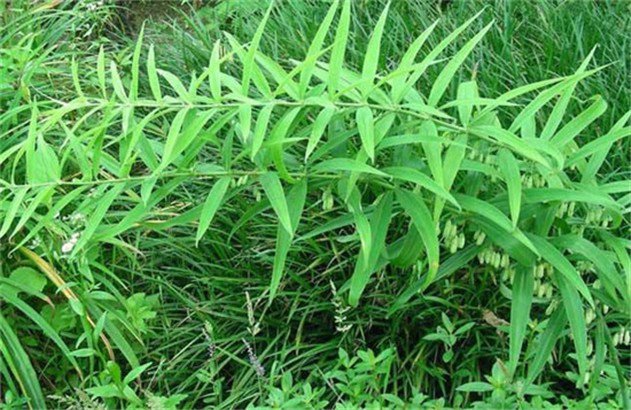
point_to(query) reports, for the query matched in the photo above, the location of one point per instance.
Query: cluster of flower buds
(242, 180)
(542, 287)
(481, 154)
(590, 315)
(552, 306)
(597, 217)
(508, 274)
(94, 6)
(497, 259)
(479, 237)
(533, 180)
(622, 337)
(566, 209)
(327, 199)
(585, 267)
(75, 220)
(540, 270)
(451, 238)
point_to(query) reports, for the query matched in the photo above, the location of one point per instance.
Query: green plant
(448, 334)
(270, 177)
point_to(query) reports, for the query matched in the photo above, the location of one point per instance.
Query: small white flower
(69, 245)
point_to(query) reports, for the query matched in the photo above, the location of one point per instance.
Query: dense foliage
(331, 208)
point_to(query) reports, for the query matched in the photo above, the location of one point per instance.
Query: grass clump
(367, 219)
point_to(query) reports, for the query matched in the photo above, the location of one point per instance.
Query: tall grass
(366, 218)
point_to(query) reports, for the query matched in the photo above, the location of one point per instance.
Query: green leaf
(398, 83)
(319, 126)
(152, 74)
(446, 75)
(544, 345)
(295, 203)
(277, 139)
(366, 128)
(38, 320)
(214, 69)
(211, 205)
(421, 218)
(14, 207)
(494, 215)
(510, 172)
(315, 47)
(551, 254)
(594, 146)
(20, 365)
(417, 177)
(371, 58)
(29, 277)
(433, 151)
(520, 313)
(467, 91)
(511, 141)
(134, 373)
(478, 387)
(96, 217)
(558, 112)
(169, 153)
(576, 316)
(135, 66)
(579, 123)
(346, 164)
(176, 84)
(245, 121)
(366, 264)
(100, 71)
(117, 83)
(431, 57)
(336, 61)
(260, 129)
(274, 191)
(248, 62)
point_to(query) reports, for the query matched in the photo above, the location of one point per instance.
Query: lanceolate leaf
(20, 364)
(366, 264)
(371, 58)
(339, 48)
(366, 127)
(346, 164)
(576, 316)
(542, 347)
(274, 191)
(97, 216)
(520, 313)
(510, 172)
(316, 46)
(417, 177)
(319, 126)
(211, 205)
(578, 124)
(260, 129)
(295, 203)
(421, 218)
(248, 63)
(444, 78)
(562, 265)
(152, 74)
